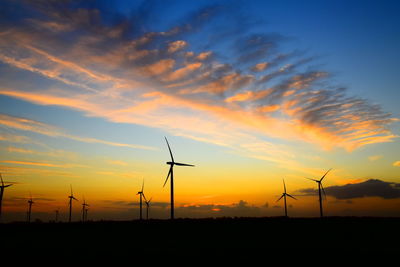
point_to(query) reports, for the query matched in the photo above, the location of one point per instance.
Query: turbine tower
(86, 212)
(2, 187)
(320, 187)
(284, 194)
(147, 207)
(84, 205)
(71, 197)
(30, 202)
(141, 195)
(56, 218)
(172, 163)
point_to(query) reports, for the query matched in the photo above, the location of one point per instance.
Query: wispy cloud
(375, 157)
(127, 75)
(396, 163)
(49, 130)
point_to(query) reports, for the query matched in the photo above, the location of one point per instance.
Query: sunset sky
(250, 92)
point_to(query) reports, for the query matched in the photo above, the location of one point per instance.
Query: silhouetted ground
(341, 241)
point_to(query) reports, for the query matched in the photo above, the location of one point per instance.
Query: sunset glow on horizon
(249, 93)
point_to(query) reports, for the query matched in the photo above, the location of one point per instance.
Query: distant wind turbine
(30, 202)
(147, 207)
(284, 194)
(84, 205)
(57, 212)
(86, 216)
(141, 195)
(71, 197)
(172, 163)
(2, 187)
(320, 187)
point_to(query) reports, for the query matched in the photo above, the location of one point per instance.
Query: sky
(250, 92)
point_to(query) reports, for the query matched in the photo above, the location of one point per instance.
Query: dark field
(188, 242)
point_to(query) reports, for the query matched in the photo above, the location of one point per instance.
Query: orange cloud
(203, 55)
(269, 108)
(248, 96)
(396, 163)
(182, 72)
(19, 150)
(176, 46)
(31, 163)
(260, 67)
(160, 67)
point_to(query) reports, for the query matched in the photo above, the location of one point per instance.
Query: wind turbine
(30, 202)
(84, 205)
(284, 194)
(172, 163)
(86, 212)
(141, 195)
(319, 182)
(56, 211)
(147, 207)
(2, 187)
(71, 197)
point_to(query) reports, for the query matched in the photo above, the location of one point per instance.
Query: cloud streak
(25, 124)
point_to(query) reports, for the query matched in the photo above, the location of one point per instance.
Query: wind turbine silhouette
(56, 211)
(2, 187)
(71, 197)
(284, 194)
(319, 182)
(141, 195)
(86, 212)
(84, 205)
(147, 207)
(172, 163)
(30, 202)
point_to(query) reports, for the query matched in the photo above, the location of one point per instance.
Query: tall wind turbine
(71, 197)
(284, 194)
(147, 207)
(320, 187)
(30, 202)
(84, 205)
(172, 163)
(141, 195)
(2, 187)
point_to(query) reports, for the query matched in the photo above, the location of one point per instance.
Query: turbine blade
(142, 185)
(291, 196)
(183, 164)
(2, 182)
(325, 175)
(169, 173)
(284, 185)
(170, 152)
(71, 190)
(312, 179)
(280, 198)
(145, 200)
(75, 198)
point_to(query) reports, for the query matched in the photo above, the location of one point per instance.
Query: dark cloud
(241, 208)
(369, 188)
